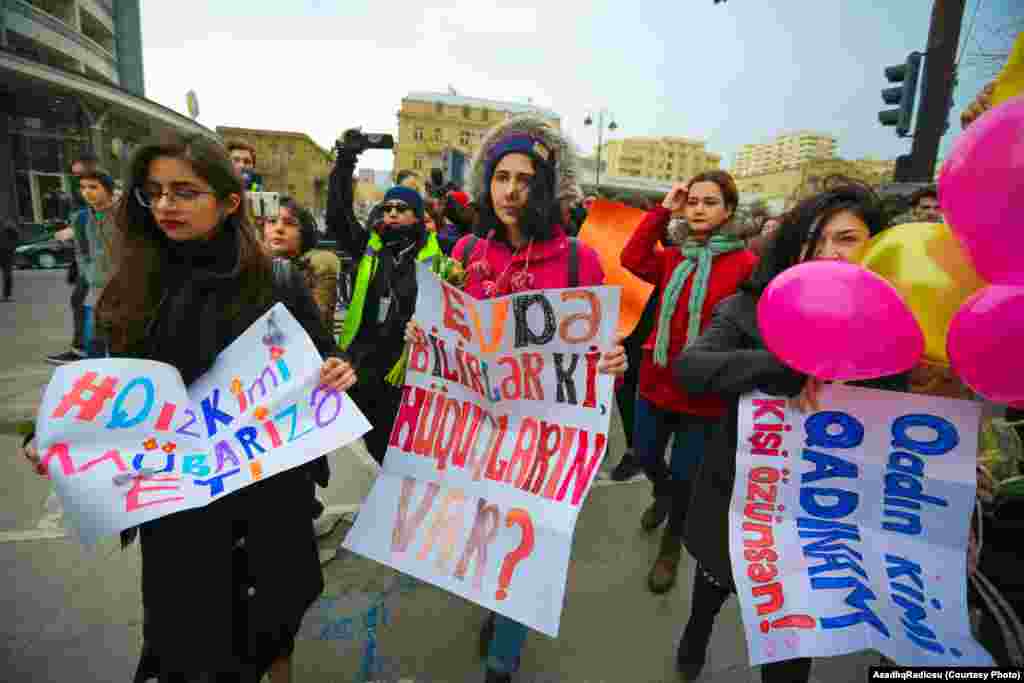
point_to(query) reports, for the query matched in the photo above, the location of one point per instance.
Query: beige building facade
(429, 123)
(290, 163)
(667, 159)
(798, 182)
(784, 151)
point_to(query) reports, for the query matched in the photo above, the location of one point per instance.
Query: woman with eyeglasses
(383, 300)
(517, 176)
(730, 359)
(690, 279)
(224, 586)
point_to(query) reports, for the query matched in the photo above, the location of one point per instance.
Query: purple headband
(518, 142)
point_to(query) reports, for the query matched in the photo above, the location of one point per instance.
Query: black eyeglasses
(149, 197)
(400, 207)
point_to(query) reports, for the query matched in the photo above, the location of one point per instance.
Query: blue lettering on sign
(832, 542)
(904, 486)
(212, 414)
(910, 597)
(120, 419)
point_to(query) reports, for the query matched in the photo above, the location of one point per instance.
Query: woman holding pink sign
(730, 358)
(521, 168)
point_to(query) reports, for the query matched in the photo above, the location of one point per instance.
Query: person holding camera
(384, 290)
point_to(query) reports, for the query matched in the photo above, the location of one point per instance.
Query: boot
(693, 648)
(663, 574)
(486, 635)
(705, 604)
(656, 513)
(496, 677)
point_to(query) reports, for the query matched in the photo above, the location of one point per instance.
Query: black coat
(730, 358)
(225, 586)
(377, 345)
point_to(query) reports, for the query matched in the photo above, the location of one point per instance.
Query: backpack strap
(574, 263)
(468, 251)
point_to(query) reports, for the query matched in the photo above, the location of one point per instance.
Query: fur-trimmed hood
(566, 167)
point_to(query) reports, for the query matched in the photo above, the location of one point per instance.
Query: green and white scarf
(697, 256)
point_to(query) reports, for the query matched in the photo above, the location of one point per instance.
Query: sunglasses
(400, 207)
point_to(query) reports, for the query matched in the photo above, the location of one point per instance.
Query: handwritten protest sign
(608, 228)
(849, 527)
(502, 427)
(126, 442)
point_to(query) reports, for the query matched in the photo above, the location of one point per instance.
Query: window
(417, 163)
(466, 112)
(418, 134)
(437, 135)
(464, 138)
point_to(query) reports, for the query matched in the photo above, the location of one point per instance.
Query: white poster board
(126, 442)
(849, 526)
(503, 425)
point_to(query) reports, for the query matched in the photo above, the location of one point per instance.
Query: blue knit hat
(516, 143)
(407, 195)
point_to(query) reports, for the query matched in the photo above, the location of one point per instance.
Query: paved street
(74, 615)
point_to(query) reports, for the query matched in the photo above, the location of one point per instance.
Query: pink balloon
(837, 321)
(985, 341)
(981, 191)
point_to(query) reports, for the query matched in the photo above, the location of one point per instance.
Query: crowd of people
(178, 269)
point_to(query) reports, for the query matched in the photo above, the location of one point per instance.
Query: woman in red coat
(692, 279)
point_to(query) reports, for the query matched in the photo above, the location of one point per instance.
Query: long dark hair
(540, 215)
(802, 225)
(132, 295)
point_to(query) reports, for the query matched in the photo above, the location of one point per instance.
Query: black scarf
(190, 326)
(396, 261)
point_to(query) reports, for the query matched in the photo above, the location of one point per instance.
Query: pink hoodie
(548, 267)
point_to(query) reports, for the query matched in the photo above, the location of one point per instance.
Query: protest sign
(608, 228)
(126, 442)
(503, 425)
(849, 526)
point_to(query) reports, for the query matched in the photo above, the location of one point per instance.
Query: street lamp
(600, 137)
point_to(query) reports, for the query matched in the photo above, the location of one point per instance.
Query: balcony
(54, 32)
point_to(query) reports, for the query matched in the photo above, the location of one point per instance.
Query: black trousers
(7, 265)
(707, 601)
(379, 402)
(78, 295)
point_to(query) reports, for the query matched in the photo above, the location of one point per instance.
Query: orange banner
(609, 226)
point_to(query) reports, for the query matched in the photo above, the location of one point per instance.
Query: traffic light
(901, 95)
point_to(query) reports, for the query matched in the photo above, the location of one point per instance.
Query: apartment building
(290, 163)
(429, 123)
(667, 159)
(784, 151)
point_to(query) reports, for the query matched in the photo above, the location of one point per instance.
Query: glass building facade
(71, 80)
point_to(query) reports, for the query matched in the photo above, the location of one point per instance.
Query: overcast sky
(729, 74)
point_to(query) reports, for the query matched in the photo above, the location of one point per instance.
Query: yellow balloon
(931, 271)
(1010, 82)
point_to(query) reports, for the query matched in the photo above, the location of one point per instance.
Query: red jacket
(727, 272)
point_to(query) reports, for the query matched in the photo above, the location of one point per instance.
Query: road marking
(341, 509)
(32, 535)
